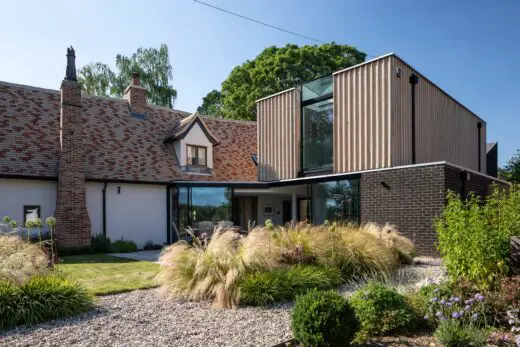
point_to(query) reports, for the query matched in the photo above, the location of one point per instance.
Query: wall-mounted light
(398, 71)
(384, 184)
(119, 190)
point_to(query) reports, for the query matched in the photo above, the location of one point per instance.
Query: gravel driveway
(143, 318)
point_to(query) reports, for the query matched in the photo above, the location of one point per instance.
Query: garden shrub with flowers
(227, 267)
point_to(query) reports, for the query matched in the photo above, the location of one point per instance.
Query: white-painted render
(137, 212)
(15, 193)
(196, 137)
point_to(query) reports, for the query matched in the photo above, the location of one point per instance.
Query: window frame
(197, 147)
(27, 207)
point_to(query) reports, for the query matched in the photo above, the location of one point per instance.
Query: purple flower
(475, 316)
(435, 299)
(426, 317)
(430, 280)
(461, 312)
(467, 308)
(456, 299)
(469, 301)
(479, 297)
(436, 290)
(449, 304)
(451, 299)
(438, 314)
(443, 302)
(456, 314)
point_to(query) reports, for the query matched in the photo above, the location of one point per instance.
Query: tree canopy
(511, 171)
(273, 70)
(152, 64)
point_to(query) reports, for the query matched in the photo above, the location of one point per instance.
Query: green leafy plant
(323, 319)
(380, 310)
(51, 222)
(41, 298)
(268, 287)
(123, 246)
(473, 235)
(452, 333)
(100, 244)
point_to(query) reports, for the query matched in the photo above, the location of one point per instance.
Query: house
(375, 142)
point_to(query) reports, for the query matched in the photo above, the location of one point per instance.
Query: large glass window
(335, 201)
(317, 124)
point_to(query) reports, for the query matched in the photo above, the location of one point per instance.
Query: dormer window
(197, 155)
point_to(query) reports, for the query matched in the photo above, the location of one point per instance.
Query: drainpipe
(105, 209)
(413, 81)
(479, 127)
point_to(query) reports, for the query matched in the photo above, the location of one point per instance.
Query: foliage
(268, 287)
(511, 171)
(380, 310)
(103, 274)
(100, 244)
(505, 298)
(20, 260)
(452, 333)
(473, 237)
(211, 104)
(41, 298)
(65, 251)
(123, 246)
(276, 69)
(323, 319)
(153, 66)
(266, 257)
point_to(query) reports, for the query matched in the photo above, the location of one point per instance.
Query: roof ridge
(243, 121)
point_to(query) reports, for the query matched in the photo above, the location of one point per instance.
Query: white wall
(195, 137)
(15, 193)
(137, 213)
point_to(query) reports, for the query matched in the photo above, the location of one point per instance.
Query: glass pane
(210, 204)
(191, 154)
(315, 89)
(183, 221)
(317, 135)
(335, 201)
(202, 156)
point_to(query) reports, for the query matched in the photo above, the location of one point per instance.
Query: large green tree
(511, 171)
(273, 70)
(152, 64)
(211, 104)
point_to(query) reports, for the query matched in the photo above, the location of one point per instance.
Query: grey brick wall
(409, 198)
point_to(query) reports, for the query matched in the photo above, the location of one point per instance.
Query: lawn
(104, 274)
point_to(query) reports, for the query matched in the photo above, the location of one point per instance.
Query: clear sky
(471, 49)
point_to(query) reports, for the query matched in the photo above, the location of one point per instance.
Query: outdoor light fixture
(119, 190)
(384, 184)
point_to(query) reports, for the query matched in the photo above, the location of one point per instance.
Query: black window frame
(28, 207)
(198, 157)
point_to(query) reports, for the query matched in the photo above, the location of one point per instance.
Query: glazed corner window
(30, 212)
(197, 155)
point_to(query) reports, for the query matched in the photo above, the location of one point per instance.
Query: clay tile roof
(119, 146)
(185, 126)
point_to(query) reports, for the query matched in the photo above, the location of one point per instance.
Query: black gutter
(101, 180)
(413, 81)
(260, 185)
(105, 209)
(168, 215)
(28, 177)
(479, 127)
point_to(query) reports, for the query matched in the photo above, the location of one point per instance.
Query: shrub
(123, 246)
(268, 287)
(380, 310)
(20, 260)
(64, 251)
(323, 319)
(453, 334)
(473, 237)
(41, 298)
(100, 244)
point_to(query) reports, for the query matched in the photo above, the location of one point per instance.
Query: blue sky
(471, 49)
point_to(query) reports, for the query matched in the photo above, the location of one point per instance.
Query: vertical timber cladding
(362, 116)
(445, 129)
(278, 118)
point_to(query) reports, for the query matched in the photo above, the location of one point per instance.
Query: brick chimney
(136, 95)
(72, 221)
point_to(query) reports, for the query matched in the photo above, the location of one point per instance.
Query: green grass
(103, 274)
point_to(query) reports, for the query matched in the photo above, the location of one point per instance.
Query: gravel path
(143, 318)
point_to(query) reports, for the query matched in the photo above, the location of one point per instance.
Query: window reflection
(335, 201)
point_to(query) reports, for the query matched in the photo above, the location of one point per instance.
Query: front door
(286, 211)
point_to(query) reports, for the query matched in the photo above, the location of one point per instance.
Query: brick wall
(410, 198)
(72, 220)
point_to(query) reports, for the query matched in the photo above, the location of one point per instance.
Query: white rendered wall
(194, 137)
(137, 213)
(15, 193)
(94, 193)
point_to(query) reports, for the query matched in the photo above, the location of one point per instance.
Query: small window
(197, 155)
(30, 212)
